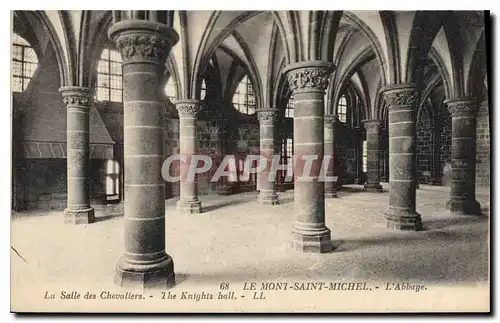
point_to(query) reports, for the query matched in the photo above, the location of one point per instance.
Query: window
(342, 109)
(203, 90)
(112, 180)
(109, 77)
(287, 151)
(286, 156)
(24, 63)
(365, 156)
(289, 108)
(244, 97)
(171, 89)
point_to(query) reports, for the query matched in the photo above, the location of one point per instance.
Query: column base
(464, 207)
(316, 240)
(373, 187)
(84, 216)
(331, 195)
(189, 207)
(403, 220)
(268, 198)
(151, 276)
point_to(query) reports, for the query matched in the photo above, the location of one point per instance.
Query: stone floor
(236, 240)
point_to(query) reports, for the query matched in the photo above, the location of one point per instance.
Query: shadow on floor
(409, 237)
(440, 223)
(213, 207)
(107, 217)
(35, 213)
(346, 191)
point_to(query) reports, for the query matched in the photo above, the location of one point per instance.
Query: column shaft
(463, 157)
(267, 183)
(78, 101)
(144, 47)
(189, 202)
(402, 101)
(373, 155)
(308, 81)
(330, 123)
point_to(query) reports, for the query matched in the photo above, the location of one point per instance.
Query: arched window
(342, 109)
(112, 179)
(244, 97)
(203, 90)
(289, 108)
(171, 89)
(24, 63)
(109, 77)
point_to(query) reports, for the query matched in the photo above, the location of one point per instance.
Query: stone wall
(38, 181)
(445, 144)
(424, 149)
(246, 143)
(346, 154)
(483, 157)
(209, 144)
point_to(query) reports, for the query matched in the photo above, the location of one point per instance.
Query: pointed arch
(49, 29)
(364, 57)
(391, 37)
(443, 72)
(420, 43)
(282, 33)
(354, 20)
(206, 50)
(477, 69)
(69, 40)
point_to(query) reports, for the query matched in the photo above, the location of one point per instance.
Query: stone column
(463, 157)
(402, 102)
(144, 47)
(373, 155)
(308, 81)
(78, 102)
(330, 123)
(188, 109)
(267, 188)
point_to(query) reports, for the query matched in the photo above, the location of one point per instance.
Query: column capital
(463, 106)
(309, 75)
(267, 115)
(143, 40)
(331, 119)
(372, 123)
(77, 96)
(401, 95)
(188, 108)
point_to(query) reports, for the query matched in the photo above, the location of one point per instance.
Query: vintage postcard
(250, 161)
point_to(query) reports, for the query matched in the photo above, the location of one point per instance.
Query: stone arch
(374, 41)
(32, 35)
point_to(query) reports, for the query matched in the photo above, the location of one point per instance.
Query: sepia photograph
(272, 161)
